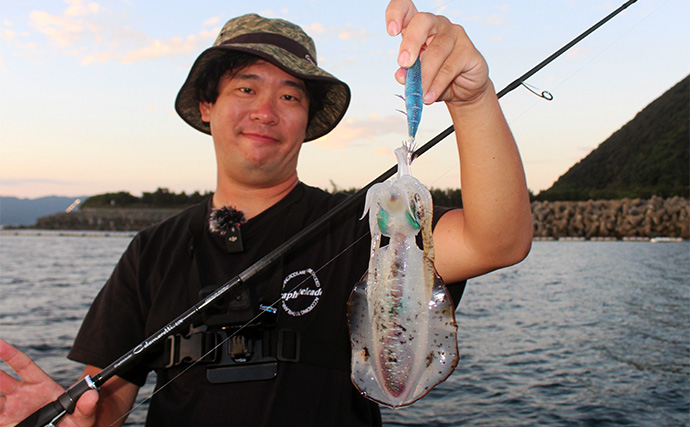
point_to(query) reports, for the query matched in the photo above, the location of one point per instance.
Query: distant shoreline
(35, 232)
(594, 220)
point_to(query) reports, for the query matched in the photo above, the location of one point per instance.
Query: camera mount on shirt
(238, 340)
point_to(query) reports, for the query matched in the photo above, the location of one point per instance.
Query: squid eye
(382, 219)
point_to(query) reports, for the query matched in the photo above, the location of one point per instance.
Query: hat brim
(337, 96)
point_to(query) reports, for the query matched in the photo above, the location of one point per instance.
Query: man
(275, 98)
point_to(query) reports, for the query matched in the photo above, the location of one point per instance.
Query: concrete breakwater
(618, 219)
(609, 219)
(105, 219)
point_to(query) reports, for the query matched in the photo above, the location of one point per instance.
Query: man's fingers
(437, 37)
(419, 34)
(452, 68)
(8, 384)
(27, 370)
(440, 66)
(86, 405)
(398, 15)
(451, 54)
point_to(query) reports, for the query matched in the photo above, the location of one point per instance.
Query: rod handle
(51, 413)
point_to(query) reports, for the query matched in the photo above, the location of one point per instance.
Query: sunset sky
(87, 87)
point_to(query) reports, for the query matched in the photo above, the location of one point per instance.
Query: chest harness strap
(252, 352)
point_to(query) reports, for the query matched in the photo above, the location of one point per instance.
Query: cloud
(32, 181)
(269, 13)
(386, 152)
(159, 48)
(494, 20)
(353, 131)
(577, 52)
(357, 34)
(15, 39)
(315, 28)
(347, 33)
(98, 57)
(78, 8)
(61, 30)
(75, 24)
(211, 21)
(7, 34)
(95, 35)
(156, 48)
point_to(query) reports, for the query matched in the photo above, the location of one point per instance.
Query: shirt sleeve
(458, 288)
(115, 322)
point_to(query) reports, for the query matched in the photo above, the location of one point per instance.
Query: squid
(401, 318)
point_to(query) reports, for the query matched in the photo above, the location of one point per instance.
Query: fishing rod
(52, 413)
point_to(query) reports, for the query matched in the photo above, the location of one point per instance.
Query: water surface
(581, 333)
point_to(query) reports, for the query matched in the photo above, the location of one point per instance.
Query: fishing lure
(401, 319)
(413, 100)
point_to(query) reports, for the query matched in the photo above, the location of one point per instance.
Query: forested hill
(648, 156)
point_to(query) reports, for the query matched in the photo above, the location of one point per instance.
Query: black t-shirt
(165, 267)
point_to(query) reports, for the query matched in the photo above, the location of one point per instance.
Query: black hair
(208, 80)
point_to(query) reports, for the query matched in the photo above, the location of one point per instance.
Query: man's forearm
(494, 189)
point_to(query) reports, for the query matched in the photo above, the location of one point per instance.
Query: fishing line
(240, 329)
(441, 6)
(65, 403)
(562, 82)
(583, 66)
(601, 52)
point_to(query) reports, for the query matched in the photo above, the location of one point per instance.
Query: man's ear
(205, 110)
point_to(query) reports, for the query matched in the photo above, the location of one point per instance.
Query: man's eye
(290, 98)
(245, 90)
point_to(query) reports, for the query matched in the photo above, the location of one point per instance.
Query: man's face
(258, 124)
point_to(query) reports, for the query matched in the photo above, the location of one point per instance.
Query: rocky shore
(600, 219)
(614, 219)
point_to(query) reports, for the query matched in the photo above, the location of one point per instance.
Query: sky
(87, 87)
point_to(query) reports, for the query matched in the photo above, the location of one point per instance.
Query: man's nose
(264, 111)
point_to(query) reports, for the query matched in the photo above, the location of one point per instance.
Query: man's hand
(494, 228)
(21, 398)
(452, 69)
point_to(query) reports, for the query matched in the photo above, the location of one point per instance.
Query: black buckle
(240, 348)
(195, 348)
(288, 345)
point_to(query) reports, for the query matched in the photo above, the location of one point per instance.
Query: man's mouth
(261, 137)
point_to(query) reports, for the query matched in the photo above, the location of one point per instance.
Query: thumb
(85, 411)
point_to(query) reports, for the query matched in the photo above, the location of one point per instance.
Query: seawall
(614, 219)
(105, 219)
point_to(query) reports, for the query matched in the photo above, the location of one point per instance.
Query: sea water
(580, 333)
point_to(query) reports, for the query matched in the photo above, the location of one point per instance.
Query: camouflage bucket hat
(281, 43)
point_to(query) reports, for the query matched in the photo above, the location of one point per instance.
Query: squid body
(401, 318)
